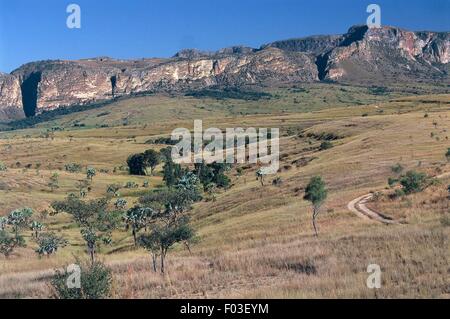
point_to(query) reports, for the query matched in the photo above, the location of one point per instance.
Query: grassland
(254, 241)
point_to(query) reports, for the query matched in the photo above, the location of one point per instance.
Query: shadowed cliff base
(29, 89)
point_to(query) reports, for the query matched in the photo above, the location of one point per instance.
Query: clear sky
(33, 30)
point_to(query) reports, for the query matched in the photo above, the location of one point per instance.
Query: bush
(95, 283)
(3, 167)
(397, 169)
(447, 155)
(73, 168)
(413, 182)
(326, 145)
(131, 185)
(392, 181)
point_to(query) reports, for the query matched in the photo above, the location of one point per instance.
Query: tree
(152, 159)
(95, 282)
(172, 173)
(113, 190)
(9, 242)
(90, 173)
(54, 182)
(413, 182)
(316, 193)
(168, 223)
(136, 164)
(137, 218)
(49, 243)
(120, 203)
(19, 219)
(93, 217)
(447, 155)
(164, 237)
(260, 175)
(36, 227)
(83, 187)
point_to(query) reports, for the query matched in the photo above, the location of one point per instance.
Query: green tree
(413, 182)
(83, 187)
(9, 242)
(113, 190)
(260, 175)
(36, 227)
(164, 237)
(316, 193)
(49, 243)
(19, 219)
(120, 203)
(95, 220)
(170, 173)
(136, 164)
(90, 173)
(152, 159)
(137, 218)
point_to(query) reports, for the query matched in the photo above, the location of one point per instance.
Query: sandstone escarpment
(362, 56)
(381, 55)
(10, 97)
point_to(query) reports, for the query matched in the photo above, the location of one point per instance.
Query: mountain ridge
(362, 55)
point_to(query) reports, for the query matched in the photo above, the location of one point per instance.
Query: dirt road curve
(358, 206)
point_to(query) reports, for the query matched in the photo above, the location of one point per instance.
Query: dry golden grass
(257, 242)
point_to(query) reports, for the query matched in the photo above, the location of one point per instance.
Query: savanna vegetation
(142, 226)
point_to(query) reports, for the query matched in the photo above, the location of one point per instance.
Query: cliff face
(10, 97)
(388, 54)
(51, 84)
(360, 56)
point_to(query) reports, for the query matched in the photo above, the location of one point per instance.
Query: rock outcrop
(387, 54)
(362, 56)
(10, 97)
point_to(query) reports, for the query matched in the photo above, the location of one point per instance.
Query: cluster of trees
(410, 182)
(11, 234)
(139, 163)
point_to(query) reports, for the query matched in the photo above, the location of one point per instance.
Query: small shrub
(73, 168)
(397, 169)
(131, 185)
(96, 281)
(277, 181)
(3, 167)
(392, 181)
(413, 182)
(326, 145)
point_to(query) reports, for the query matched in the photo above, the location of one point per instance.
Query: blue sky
(35, 30)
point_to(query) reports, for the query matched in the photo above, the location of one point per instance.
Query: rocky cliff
(10, 97)
(360, 56)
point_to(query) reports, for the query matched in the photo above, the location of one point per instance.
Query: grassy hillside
(254, 241)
